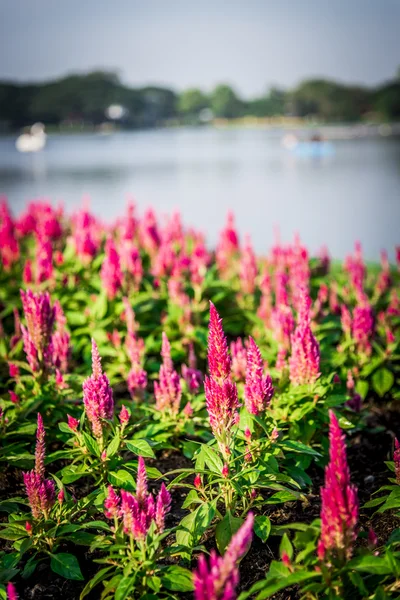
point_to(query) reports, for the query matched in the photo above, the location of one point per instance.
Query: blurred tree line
(78, 100)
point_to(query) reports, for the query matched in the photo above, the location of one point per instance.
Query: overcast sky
(250, 44)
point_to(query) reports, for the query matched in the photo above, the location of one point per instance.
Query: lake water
(352, 193)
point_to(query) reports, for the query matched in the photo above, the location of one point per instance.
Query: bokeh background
(286, 112)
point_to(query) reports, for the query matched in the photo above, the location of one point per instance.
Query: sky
(250, 44)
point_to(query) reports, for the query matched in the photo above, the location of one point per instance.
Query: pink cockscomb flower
(111, 274)
(138, 512)
(13, 370)
(258, 389)
(219, 361)
(239, 359)
(396, 459)
(363, 326)
(221, 393)
(339, 511)
(124, 416)
(190, 373)
(227, 247)
(73, 423)
(218, 577)
(111, 503)
(97, 395)
(11, 592)
(40, 491)
(39, 315)
(167, 390)
(305, 356)
(248, 268)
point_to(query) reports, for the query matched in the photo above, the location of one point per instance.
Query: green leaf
(140, 447)
(12, 534)
(191, 498)
(362, 388)
(100, 575)
(225, 530)
(298, 447)
(262, 527)
(99, 308)
(392, 501)
(192, 527)
(374, 502)
(177, 579)
(276, 584)
(376, 565)
(66, 565)
(91, 444)
(382, 381)
(122, 479)
(125, 587)
(212, 460)
(113, 446)
(285, 546)
(284, 496)
(64, 428)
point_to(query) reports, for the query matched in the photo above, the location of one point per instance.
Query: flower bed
(181, 422)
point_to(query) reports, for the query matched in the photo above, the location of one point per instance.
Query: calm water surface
(352, 194)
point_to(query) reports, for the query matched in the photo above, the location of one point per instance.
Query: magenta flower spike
(44, 261)
(339, 511)
(305, 357)
(219, 361)
(40, 451)
(97, 395)
(396, 458)
(124, 416)
(60, 340)
(166, 352)
(168, 389)
(239, 359)
(218, 578)
(221, 393)
(258, 389)
(73, 423)
(191, 374)
(141, 483)
(11, 592)
(363, 326)
(111, 274)
(39, 316)
(40, 491)
(163, 504)
(111, 503)
(248, 268)
(140, 511)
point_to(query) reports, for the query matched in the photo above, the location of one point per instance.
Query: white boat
(33, 141)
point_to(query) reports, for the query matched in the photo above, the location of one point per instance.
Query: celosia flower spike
(11, 592)
(305, 357)
(97, 395)
(396, 458)
(219, 362)
(167, 389)
(40, 451)
(339, 511)
(258, 389)
(218, 578)
(141, 483)
(111, 503)
(163, 505)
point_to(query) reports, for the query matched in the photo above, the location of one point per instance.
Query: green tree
(192, 101)
(225, 103)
